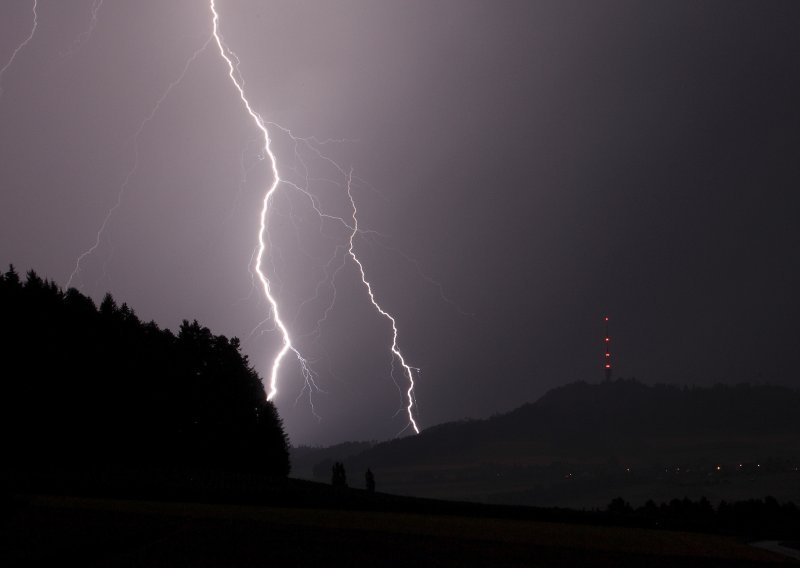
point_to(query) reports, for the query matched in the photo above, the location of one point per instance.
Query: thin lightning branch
(322, 215)
(135, 166)
(245, 169)
(399, 393)
(310, 143)
(409, 371)
(252, 284)
(22, 45)
(96, 5)
(329, 278)
(302, 170)
(326, 141)
(310, 387)
(315, 205)
(287, 346)
(415, 263)
(261, 262)
(85, 35)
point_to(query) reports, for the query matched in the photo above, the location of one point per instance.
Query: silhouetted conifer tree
(85, 384)
(338, 475)
(369, 479)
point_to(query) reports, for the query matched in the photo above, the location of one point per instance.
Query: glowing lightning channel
(287, 346)
(409, 371)
(330, 277)
(135, 165)
(22, 45)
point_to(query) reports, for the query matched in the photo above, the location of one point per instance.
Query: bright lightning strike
(22, 45)
(310, 385)
(409, 371)
(260, 255)
(135, 166)
(287, 346)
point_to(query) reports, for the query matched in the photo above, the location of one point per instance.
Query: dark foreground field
(48, 530)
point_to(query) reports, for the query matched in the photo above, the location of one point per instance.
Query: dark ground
(42, 530)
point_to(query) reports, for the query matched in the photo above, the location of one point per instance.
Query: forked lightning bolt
(287, 346)
(21, 45)
(265, 252)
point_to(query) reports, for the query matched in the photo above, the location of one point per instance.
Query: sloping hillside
(586, 442)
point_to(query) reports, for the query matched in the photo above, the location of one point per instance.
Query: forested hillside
(85, 385)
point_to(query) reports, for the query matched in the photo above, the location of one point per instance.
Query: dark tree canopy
(338, 475)
(83, 384)
(369, 481)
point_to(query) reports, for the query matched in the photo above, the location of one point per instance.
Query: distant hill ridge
(581, 419)
(583, 444)
(629, 408)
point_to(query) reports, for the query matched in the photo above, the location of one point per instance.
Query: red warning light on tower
(607, 359)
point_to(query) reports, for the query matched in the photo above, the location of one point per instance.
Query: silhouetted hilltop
(585, 420)
(621, 414)
(595, 431)
(85, 386)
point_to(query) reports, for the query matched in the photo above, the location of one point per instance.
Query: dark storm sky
(545, 162)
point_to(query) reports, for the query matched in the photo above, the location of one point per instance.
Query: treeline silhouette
(754, 518)
(94, 386)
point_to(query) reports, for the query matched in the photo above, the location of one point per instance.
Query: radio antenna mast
(607, 361)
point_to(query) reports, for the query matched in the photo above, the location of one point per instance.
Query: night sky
(528, 167)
